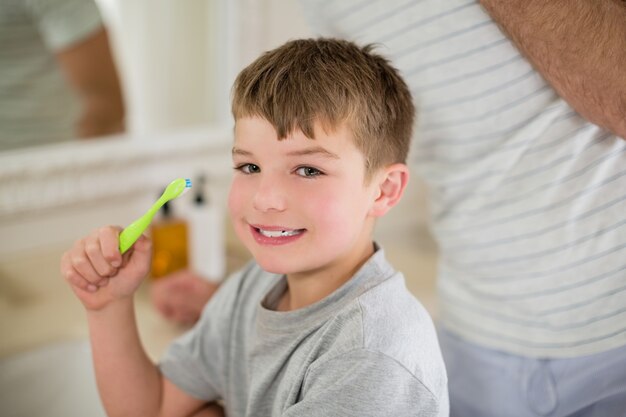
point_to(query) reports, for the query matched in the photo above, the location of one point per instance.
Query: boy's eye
(248, 168)
(308, 172)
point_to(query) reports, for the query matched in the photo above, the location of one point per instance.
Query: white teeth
(279, 233)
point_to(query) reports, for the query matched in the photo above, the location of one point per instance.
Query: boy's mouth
(279, 233)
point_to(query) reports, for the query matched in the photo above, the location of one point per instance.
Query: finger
(159, 299)
(110, 245)
(65, 265)
(143, 244)
(162, 308)
(141, 255)
(180, 312)
(81, 263)
(129, 253)
(167, 311)
(94, 253)
(75, 279)
(187, 317)
(178, 316)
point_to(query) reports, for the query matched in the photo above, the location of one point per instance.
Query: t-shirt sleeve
(63, 23)
(196, 361)
(364, 383)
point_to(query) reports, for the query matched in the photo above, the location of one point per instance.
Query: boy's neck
(306, 289)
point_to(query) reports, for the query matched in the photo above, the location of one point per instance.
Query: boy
(319, 324)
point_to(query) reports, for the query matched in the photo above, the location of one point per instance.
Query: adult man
(527, 195)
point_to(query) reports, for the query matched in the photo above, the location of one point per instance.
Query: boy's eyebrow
(242, 152)
(316, 150)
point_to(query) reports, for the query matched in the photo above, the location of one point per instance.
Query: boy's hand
(181, 296)
(97, 272)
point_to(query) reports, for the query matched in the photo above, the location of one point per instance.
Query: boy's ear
(391, 183)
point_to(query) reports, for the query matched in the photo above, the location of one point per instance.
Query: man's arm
(90, 70)
(579, 46)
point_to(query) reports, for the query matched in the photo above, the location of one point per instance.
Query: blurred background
(176, 62)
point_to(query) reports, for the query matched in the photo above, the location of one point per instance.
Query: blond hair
(334, 82)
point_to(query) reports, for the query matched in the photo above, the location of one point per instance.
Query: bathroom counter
(37, 307)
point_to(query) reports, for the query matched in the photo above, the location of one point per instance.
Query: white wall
(178, 59)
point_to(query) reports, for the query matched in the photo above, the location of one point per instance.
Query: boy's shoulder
(391, 321)
(387, 320)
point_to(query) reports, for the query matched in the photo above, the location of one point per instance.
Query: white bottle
(207, 246)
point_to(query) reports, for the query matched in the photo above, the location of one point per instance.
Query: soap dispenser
(169, 243)
(206, 234)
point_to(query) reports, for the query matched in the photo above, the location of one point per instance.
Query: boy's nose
(269, 196)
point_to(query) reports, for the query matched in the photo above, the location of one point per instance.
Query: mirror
(59, 79)
(155, 71)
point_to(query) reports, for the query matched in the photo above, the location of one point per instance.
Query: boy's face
(301, 206)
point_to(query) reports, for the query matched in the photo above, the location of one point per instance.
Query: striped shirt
(527, 198)
(37, 105)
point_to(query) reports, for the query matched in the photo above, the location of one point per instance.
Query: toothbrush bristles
(187, 183)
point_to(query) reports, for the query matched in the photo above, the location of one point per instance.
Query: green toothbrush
(132, 232)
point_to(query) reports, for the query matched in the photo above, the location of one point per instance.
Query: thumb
(143, 245)
(139, 255)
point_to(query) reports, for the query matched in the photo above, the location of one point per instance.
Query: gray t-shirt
(368, 349)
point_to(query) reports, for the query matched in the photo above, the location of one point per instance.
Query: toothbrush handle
(132, 232)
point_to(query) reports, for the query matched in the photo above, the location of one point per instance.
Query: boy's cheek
(236, 197)
(335, 212)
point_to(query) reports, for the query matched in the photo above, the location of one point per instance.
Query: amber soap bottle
(169, 243)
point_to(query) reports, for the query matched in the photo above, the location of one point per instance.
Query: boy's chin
(274, 267)
(279, 266)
